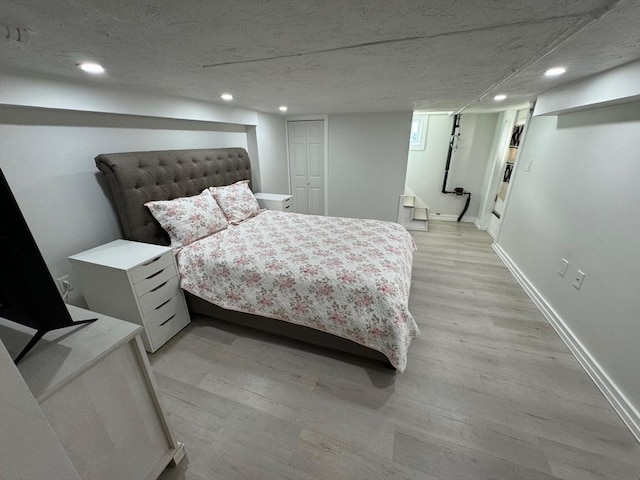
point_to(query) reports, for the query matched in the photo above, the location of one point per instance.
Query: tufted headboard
(139, 177)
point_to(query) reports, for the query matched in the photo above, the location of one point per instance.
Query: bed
(305, 290)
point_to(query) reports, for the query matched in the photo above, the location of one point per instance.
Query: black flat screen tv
(28, 294)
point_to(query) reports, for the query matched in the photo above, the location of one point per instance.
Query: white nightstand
(137, 282)
(274, 201)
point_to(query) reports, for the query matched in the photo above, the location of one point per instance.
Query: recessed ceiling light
(227, 97)
(91, 68)
(554, 72)
(282, 108)
(499, 98)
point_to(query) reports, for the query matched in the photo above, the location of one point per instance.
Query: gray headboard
(139, 177)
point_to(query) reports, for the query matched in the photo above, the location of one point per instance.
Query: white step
(417, 226)
(412, 217)
(420, 214)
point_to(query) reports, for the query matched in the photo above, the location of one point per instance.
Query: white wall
(96, 96)
(272, 148)
(425, 168)
(581, 202)
(367, 164)
(618, 85)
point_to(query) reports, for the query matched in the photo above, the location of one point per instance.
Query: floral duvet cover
(347, 277)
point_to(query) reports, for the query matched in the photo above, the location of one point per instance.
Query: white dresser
(274, 201)
(137, 282)
(95, 389)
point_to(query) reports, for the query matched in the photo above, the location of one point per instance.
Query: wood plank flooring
(490, 391)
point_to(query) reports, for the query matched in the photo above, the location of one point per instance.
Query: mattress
(346, 277)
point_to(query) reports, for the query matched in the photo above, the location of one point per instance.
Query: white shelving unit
(137, 282)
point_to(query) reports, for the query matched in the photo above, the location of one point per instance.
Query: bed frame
(139, 177)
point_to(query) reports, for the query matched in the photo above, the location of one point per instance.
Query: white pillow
(236, 201)
(188, 219)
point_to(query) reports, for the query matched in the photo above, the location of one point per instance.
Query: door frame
(495, 169)
(325, 132)
(516, 168)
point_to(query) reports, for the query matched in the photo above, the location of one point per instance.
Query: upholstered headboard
(139, 177)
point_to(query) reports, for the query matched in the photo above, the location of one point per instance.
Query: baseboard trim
(450, 218)
(627, 412)
(478, 225)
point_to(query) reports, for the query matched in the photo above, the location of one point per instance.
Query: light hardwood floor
(490, 391)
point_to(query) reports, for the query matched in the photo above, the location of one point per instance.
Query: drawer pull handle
(151, 261)
(155, 274)
(168, 319)
(162, 304)
(159, 286)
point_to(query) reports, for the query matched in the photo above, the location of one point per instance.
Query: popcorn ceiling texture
(333, 56)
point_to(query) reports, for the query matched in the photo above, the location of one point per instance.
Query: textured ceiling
(333, 56)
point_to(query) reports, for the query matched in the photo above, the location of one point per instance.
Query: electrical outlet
(564, 264)
(64, 284)
(577, 283)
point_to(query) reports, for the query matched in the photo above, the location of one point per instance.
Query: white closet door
(306, 165)
(298, 165)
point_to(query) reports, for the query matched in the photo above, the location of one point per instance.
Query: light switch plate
(529, 164)
(564, 264)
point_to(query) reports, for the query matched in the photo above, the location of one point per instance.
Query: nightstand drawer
(169, 326)
(161, 313)
(161, 293)
(150, 268)
(149, 284)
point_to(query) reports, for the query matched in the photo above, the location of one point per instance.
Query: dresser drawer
(157, 279)
(160, 294)
(169, 323)
(161, 313)
(148, 269)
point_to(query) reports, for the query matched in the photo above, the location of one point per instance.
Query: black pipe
(466, 205)
(458, 190)
(456, 126)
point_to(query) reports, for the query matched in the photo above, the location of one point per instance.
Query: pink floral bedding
(347, 277)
